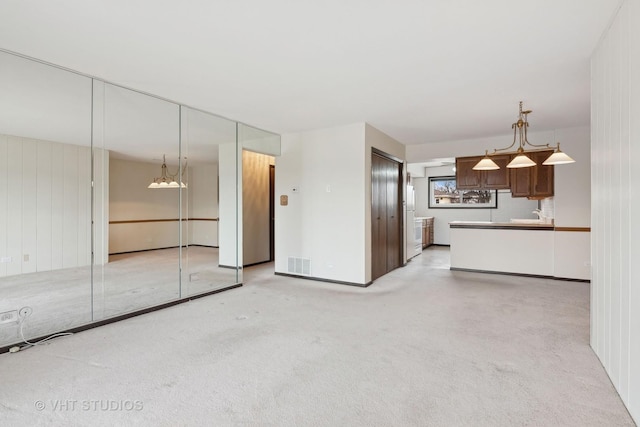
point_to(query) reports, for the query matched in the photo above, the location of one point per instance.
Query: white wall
(329, 219)
(615, 136)
(256, 218)
(45, 205)
(325, 220)
(508, 207)
(230, 187)
(203, 204)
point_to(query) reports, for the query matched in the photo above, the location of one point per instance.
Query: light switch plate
(284, 200)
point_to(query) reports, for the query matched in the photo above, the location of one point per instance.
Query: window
(444, 194)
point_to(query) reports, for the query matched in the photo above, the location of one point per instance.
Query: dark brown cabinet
(466, 177)
(536, 182)
(427, 232)
(469, 179)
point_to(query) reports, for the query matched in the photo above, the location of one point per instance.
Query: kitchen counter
(496, 247)
(499, 225)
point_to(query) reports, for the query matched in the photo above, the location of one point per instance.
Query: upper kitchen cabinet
(535, 182)
(469, 179)
(466, 177)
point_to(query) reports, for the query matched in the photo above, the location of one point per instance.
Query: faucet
(539, 213)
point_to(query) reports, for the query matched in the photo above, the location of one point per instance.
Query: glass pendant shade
(153, 185)
(486, 164)
(558, 158)
(521, 161)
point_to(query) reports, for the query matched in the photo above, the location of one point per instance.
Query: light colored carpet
(422, 346)
(62, 299)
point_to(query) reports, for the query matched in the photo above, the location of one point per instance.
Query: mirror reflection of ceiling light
(521, 160)
(166, 178)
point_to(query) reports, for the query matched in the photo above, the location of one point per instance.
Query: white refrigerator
(413, 226)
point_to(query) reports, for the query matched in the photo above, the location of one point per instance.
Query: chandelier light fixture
(166, 178)
(521, 160)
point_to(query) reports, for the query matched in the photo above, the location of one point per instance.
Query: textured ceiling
(421, 71)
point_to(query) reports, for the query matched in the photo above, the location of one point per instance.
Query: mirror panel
(137, 144)
(45, 199)
(202, 135)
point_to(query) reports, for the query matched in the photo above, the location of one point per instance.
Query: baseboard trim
(567, 279)
(125, 316)
(319, 279)
(232, 267)
(257, 263)
(145, 250)
(504, 273)
(159, 249)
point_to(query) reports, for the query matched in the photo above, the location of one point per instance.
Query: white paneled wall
(45, 205)
(615, 182)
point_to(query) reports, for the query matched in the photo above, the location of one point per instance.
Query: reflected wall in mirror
(202, 136)
(45, 199)
(134, 134)
(257, 233)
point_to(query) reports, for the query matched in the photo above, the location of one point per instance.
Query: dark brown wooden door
(394, 239)
(386, 215)
(378, 216)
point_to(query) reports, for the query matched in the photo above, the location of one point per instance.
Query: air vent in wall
(299, 266)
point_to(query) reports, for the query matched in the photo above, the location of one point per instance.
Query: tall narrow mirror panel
(202, 135)
(45, 199)
(137, 141)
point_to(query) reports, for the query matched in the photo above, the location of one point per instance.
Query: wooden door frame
(272, 212)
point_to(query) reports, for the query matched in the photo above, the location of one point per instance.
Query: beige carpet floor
(422, 346)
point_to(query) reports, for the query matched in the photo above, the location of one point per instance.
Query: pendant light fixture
(521, 160)
(486, 164)
(167, 179)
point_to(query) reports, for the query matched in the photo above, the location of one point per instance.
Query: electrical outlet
(25, 312)
(9, 317)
